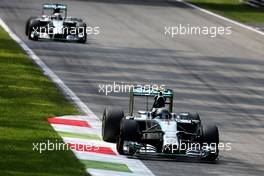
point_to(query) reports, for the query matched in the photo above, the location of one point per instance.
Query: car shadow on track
(178, 159)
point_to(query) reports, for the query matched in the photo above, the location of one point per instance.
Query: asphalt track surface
(221, 78)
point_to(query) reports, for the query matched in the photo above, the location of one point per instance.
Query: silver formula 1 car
(54, 24)
(158, 131)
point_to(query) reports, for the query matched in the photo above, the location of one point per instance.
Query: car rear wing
(54, 6)
(141, 91)
(150, 92)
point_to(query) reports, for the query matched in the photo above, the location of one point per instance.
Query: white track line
(89, 142)
(139, 168)
(221, 17)
(104, 157)
(72, 117)
(75, 129)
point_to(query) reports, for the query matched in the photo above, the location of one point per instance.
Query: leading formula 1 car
(54, 24)
(159, 131)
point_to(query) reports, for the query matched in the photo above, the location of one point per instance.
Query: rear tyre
(111, 124)
(211, 138)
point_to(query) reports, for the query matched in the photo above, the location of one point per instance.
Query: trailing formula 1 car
(54, 24)
(158, 131)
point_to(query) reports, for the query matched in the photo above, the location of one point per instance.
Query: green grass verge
(27, 99)
(233, 9)
(105, 165)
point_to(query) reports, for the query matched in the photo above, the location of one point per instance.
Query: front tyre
(27, 25)
(130, 132)
(210, 137)
(120, 145)
(82, 31)
(33, 27)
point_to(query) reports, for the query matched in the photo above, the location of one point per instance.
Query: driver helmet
(57, 16)
(159, 101)
(56, 10)
(163, 113)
